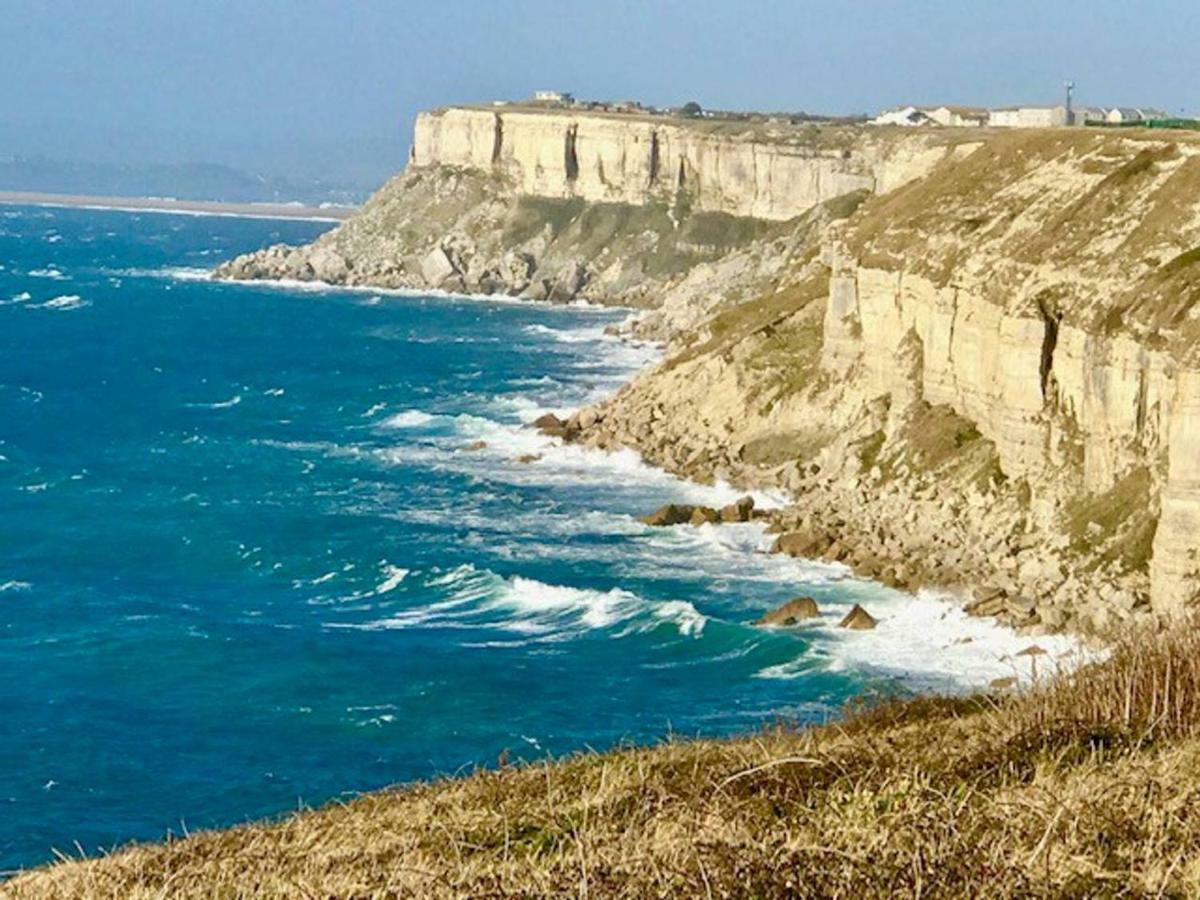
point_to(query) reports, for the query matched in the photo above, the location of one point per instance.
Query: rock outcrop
(795, 611)
(638, 210)
(756, 171)
(990, 382)
(972, 359)
(858, 619)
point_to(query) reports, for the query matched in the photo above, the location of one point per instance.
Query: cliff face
(612, 208)
(749, 171)
(994, 362)
(1041, 290)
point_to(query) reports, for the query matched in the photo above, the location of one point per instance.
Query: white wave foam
(14, 586)
(324, 287)
(589, 334)
(219, 404)
(482, 599)
(62, 302)
(927, 641)
(409, 418)
(392, 576)
(22, 297)
(48, 272)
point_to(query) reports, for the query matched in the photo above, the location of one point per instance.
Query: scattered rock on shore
(529, 457)
(681, 514)
(791, 613)
(858, 619)
(552, 426)
(739, 511)
(476, 445)
(670, 514)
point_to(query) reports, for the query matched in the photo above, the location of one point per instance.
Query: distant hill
(181, 181)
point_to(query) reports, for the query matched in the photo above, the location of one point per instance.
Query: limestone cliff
(752, 171)
(988, 376)
(992, 378)
(572, 204)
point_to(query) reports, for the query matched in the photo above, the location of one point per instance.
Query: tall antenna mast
(1070, 86)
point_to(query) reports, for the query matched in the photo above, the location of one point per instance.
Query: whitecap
(409, 418)
(393, 575)
(219, 404)
(62, 302)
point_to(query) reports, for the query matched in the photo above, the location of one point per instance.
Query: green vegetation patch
(936, 434)
(531, 215)
(1117, 525)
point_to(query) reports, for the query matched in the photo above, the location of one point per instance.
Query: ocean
(249, 562)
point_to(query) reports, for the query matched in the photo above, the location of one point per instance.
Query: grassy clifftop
(1084, 786)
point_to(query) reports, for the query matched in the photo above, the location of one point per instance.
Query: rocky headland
(969, 359)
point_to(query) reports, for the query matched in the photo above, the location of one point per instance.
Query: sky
(316, 87)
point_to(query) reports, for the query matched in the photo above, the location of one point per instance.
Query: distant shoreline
(188, 207)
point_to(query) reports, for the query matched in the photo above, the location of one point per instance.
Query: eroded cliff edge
(630, 209)
(971, 359)
(991, 384)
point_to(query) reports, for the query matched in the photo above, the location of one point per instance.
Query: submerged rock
(529, 457)
(476, 445)
(791, 613)
(858, 619)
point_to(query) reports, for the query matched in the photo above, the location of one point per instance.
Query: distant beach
(171, 205)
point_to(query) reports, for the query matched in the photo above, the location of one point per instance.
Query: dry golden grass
(1087, 785)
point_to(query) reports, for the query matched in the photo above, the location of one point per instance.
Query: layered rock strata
(636, 210)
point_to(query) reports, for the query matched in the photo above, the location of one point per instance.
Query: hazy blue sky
(292, 85)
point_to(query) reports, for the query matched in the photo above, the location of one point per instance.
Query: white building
(1081, 115)
(1123, 115)
(908, 116)
(553, 97)
(958, 116)
(1028, 117)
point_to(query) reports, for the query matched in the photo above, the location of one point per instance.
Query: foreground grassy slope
(1088, 785)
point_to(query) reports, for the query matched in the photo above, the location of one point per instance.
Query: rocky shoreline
(908, 535)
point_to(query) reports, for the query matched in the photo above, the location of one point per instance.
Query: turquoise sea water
(246, 561)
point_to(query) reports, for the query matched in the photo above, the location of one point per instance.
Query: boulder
(552, 426)
(670, 514)
(739, 511)
(791, 613)
(569, 283)
(802, 543)
(1003, 684)
(328, 265)
(858, 619)
(515, 271)
(704, 515)
(437, 267)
